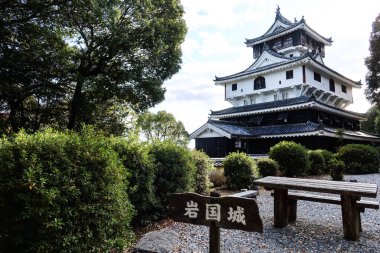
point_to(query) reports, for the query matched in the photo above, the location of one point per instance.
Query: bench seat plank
(335, 187)
(330, 199)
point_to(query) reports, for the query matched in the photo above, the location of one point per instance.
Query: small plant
(337, 169)
(317, 162)
(267, 167)
(240, 171)
(291, 157)
(217, 177)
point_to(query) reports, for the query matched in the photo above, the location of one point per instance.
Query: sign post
(216, 212)
(214, 244)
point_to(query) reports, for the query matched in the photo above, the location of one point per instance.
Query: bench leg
(351, 218)
(292, 210)
(280, 208)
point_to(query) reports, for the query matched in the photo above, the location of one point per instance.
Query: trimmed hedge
(203, 167)
(240, 171)
(267, 167)
(174, 172)
(317, 162)
(136, 159)
(327, 157)
(291, 157)
(359, 158)
(62, 192)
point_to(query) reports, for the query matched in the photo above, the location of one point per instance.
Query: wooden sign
(223, 212)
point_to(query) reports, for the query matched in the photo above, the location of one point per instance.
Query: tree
(162, 127)
(373, 64)
(97, 55)
(369, 125)
(33, 66)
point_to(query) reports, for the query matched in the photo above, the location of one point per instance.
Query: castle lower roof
(301, 102)
(239, 130)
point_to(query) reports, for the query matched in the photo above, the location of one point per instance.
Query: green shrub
(359, 158)
(62, 192)
(240, 171)
(327, 156)
(317, 162)
(267, 167)
(202, 166)
(174, 172)
(291, 157)
(337, 169)
(137, 160)
(217, 177)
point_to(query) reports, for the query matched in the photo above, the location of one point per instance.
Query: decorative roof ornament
(278, 14)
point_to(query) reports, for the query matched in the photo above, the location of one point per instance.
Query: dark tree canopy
(373, 64)
(64, 63)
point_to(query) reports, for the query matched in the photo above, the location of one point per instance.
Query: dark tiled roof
(274, 65)
(237, 129)
(278, 31)
(263, 106)
(231, 127)
(249, 71)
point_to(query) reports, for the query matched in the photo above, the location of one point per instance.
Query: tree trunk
(76, 104)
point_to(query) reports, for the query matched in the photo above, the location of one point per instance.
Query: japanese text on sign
(213, 212)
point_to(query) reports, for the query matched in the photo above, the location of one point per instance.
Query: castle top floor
(289, 38)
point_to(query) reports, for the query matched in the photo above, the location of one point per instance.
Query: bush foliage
(203, 167)
(317, 162)
(267, 167)
(136, 159)
(240, 171)
(62, 192)
(359, 158)
(291, 157)
(174, 172)
(327, 157)
(336, 168)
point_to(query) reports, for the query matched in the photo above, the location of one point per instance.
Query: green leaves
(64, 63)
(162, 126)
(373, 64)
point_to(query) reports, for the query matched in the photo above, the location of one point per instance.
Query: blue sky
(214, 46)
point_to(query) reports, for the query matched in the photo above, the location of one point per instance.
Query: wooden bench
(246, 194)
(349, 196)
(294, 196)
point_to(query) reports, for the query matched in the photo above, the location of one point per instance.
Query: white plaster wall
(325, 84)
(245, 88)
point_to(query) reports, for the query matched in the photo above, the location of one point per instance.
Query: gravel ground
(318, 229)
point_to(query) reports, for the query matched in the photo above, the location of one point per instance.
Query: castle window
(284, 95)
(344, 89)
(289, 74)
(234, 86)
(275, 97)
(332, 85)
(245, 102)
(317, 77)
(253, 101)
(259, 83)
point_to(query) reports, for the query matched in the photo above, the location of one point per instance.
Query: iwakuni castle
(288, 93)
